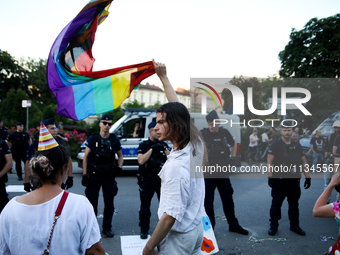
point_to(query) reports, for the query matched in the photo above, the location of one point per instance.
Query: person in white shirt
(253, 142)
(182, 194)
(265, 140)
(27, 220)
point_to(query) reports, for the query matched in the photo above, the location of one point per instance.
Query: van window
(128, 128)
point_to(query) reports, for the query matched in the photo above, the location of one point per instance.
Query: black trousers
(223, 186)
(18, 157)
(3, 195)
(150, 186)
(283, 188)
(110, 189)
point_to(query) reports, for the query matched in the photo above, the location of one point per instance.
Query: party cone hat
(46, 140)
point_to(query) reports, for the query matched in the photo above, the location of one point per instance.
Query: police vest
(217, 146)
(20, 143)
(156, 160)
(102, 156)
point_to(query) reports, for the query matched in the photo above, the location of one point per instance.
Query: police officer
(138, 131)
(151, 156)
(36, 134)
(6, 164)
(285, 163)
(99, 169)
(3, 131)
(217, 140)
(19, 142)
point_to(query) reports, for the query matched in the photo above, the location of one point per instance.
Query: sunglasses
(107, 123)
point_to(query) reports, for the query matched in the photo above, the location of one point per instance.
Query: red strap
(61, 203)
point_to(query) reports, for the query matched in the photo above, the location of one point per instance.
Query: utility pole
(26, 104)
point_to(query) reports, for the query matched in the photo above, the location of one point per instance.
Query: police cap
(106, 117)
(49, 121)
(287, 124)
(211, 116)
(152, 124)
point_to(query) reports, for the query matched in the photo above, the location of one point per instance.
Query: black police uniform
(101, 167)
(150, 181)
(218, 153)
(20, 144)
(3, 133)
(286, 184)
(4, 149)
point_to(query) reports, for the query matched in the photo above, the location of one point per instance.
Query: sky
(194, 38)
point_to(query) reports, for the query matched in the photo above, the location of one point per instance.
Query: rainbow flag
(79, 91)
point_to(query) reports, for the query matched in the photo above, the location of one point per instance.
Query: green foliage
(155, 106)
(38, 89)
(324, 97)
(313, 51)
(244, 83)
(134, 104)
(12, 111)
(12, 75)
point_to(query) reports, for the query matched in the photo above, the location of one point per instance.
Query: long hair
(181, 127)
(47, 164)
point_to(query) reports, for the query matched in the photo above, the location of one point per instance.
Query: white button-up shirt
(182, 195)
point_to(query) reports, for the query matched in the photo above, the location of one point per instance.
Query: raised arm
(168, 89)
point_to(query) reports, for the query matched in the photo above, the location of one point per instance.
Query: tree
(39, 90)
(134, 104)
(12, 75)
(155, 106)
(243, 83)
(314, 51)
(12, 111)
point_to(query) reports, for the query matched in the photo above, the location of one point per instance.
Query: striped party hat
(46, 140)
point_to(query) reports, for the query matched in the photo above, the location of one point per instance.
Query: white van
(124, 128)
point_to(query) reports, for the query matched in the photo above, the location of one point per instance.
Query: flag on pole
(79, 91)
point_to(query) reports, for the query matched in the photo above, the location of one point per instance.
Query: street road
(252, 202)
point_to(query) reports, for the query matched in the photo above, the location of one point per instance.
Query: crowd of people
(183, 198)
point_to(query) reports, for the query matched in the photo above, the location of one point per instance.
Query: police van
(124, 128)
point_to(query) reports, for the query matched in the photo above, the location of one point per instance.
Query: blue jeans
(316, 157)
